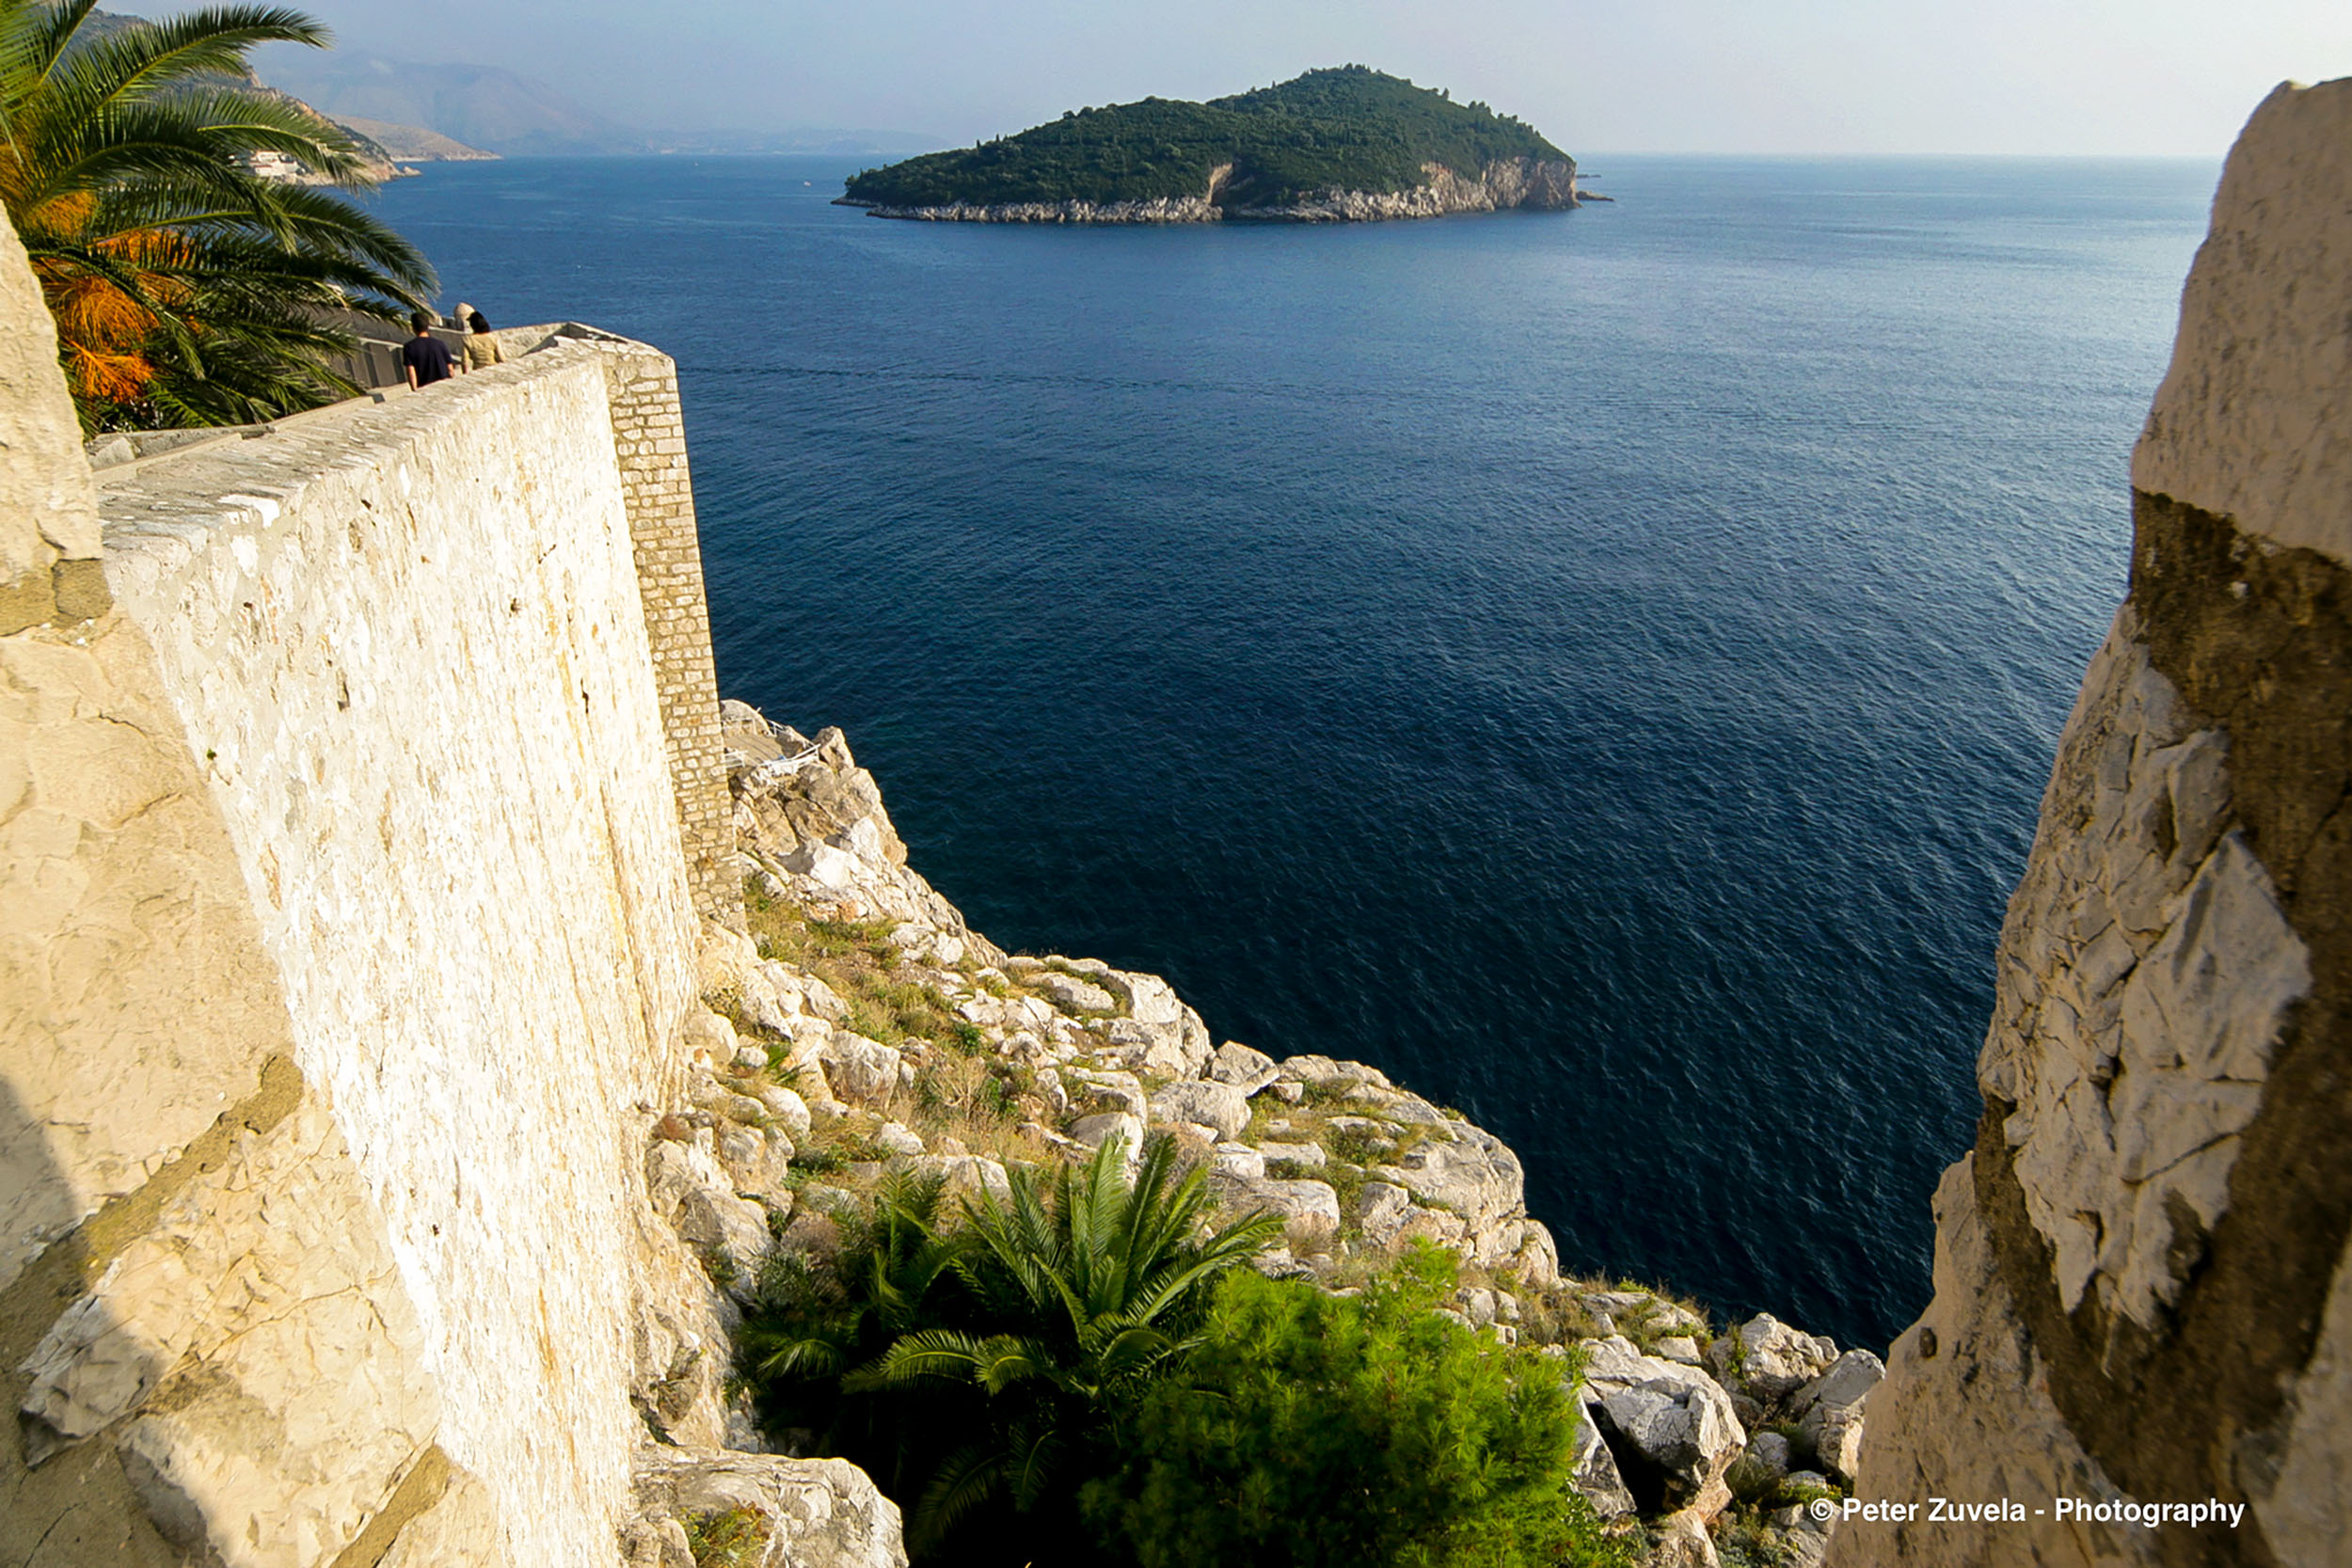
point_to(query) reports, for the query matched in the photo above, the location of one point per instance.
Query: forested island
(1339, 144)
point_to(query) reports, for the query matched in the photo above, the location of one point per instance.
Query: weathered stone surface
(787, 1108)
(1671, 1426)
(1596, 1470)
(1245, 1069)
(137, 1002)
(1099, 1089)
(899, 1138)
(2133, 1072)
(1070, 993)
(818, 1513)
(409, 646)
(1975, 1419)
(1683, 1433)
(1831, 1412)
(1094, 1130)
(1310, 1209)
(1683, 1543)
(1768, 1360)
(459, 1525)
(200, 1354)
(1238, 1160)
(1218, 1106)
(861, 1071)
(2306, 1513)
(1475, 1175)
(694, 1192)
(1504, 183)
(50, 518)
(2248, 422)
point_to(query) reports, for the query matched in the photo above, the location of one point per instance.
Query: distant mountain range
(516, 115)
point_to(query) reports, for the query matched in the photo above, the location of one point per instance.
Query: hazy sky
(1781, 76)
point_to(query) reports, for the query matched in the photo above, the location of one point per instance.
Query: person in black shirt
(428, 358)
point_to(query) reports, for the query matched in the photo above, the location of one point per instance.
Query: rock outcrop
(1357, 1166)
(1535, 184)
(2143, 1293)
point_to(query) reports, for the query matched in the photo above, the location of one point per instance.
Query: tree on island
(187, 290)
(1349, 128)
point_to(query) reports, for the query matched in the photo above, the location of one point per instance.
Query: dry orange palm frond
(108, 378)
(102, 328)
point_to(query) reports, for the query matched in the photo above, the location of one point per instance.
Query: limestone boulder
(1767, 1360)
(788, 1110)
(1239, 1161)
(1219, 1106)
(695, 1195)
(756, 1161)
(1072, 994)
(1310, 1209)
(1325, 1069)
(1094, 1130)
(1381, 1209)
(1683, 1543)
(1681, 1436)
(862, 1071)
(895, 1137)
(1830, 1411)
(1473, 1174)
(1238, 1065)
(1154, 1048)
(803, 1513)
(1672, 1427)
(1596, 1471)
(710, 1039)
(1096, 1089)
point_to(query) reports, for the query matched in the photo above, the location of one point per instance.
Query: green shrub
(1316, 1430)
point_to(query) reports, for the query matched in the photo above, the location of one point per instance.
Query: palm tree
(187, 290)
(1093, 1283)
(809, 1325)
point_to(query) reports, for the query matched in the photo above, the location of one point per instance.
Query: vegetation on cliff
(1345, 128)
(1077, 1370)
(186, 289)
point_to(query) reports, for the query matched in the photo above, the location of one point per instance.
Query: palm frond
(964, 1480)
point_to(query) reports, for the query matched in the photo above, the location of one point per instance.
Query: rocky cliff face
(801, 1069)
(1507, 183)
(2143, 1293)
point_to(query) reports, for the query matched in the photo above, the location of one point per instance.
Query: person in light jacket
(482, 350)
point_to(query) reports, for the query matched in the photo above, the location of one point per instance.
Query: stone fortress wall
(359, 813)
(2143, 1287)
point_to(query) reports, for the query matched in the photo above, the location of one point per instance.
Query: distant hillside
(381, 160)
(1344, 130)
(413, 143)
(481, 107)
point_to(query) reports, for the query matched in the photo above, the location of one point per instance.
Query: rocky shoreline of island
(1531, 185)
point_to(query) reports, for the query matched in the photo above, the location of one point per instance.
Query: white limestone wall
(407, 644)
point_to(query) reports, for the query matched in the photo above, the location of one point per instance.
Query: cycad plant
(885, 1275)
(186, 289)
(1084, 1284)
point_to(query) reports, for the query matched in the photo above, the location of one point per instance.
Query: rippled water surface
(1600, 667)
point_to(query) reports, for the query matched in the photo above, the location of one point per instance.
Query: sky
(2107, 77)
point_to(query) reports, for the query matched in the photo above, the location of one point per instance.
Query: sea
(1600, 667)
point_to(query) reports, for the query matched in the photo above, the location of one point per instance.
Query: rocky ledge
(811, 1079)
(1507, 183)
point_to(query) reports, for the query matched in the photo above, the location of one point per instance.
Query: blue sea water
(1600, 667)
